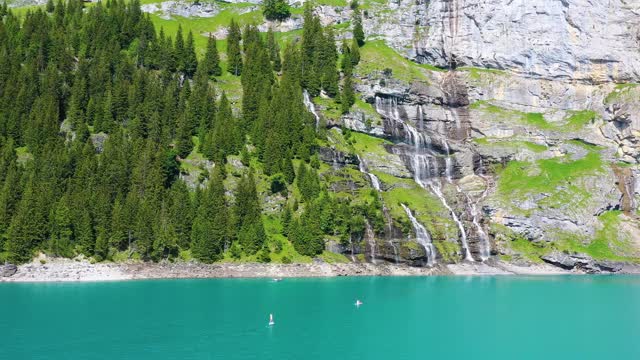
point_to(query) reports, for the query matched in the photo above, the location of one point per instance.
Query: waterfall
(310, 106)
(396, 257)
(422, 236)
(448, 163)
(370, 238)
(362, 166)
(353, 258)
(425, 166)
(422, 172)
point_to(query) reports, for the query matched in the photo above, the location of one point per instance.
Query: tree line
(98, 110)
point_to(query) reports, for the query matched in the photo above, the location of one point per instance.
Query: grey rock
(583, 40)
(8, 270)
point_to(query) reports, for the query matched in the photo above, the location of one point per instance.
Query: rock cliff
(519, 119)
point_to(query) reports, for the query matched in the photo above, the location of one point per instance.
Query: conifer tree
(189, 60)
(165, 243)
(354, 52)
(358, 32)
(61, 237)
(234, 54)
(274, 50)
(83, 232)
(210, 228)
(211, 60)
(250, 230)
(50, 6)
(28, 227)
(178, 50)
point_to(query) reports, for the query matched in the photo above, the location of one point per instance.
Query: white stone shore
(67, 270)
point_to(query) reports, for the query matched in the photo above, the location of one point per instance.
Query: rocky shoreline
(66, 270)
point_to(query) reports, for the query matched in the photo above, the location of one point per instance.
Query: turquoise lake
(585, 317)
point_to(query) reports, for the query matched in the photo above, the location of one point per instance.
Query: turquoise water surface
(578, 317)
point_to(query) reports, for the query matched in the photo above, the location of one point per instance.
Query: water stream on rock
(311, 107)
(422, 236)
(396, 256)
(424, 161)
(370, 238)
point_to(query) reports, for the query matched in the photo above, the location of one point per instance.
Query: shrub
(276, 10)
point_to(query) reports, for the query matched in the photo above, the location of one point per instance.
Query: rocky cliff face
(591, 41)
(528, 135)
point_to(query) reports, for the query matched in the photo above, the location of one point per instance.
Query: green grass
(376, 56)
(333, 258)
(273, 228)
(555, 177)
(578, 119)
(510, 143)
(449, 251)
(201, 26)
(363, 143)
(622, 93)
(608, 244)
(575, 120)
(476, 73)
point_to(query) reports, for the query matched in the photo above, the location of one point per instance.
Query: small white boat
(277, 279)
(271, 322)
(358, 303)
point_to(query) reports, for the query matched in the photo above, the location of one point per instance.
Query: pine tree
(354, 52)
(250, 230)
(50, 6)
(210, 229)
(83, 232)
(330, 77)
(347, 97)
(178, 50)
(358, 32)
(189, 60)
(234, 55)
(211, 60)
(184, 142)
(274, 50)
(101, 251)
(28, 227)
(61, 237)
(165, 244)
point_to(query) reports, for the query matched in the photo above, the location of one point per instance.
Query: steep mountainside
(484, 130)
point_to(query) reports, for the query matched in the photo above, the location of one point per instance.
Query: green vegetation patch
(333, 258)
(449, 251)
(426, 207)
(511, 144)
(376, 56)
(622, 93)
(574, 121)
(608, 244)
(201, 26)
(578, 119)
(554, 177)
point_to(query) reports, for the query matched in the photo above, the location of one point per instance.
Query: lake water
(578, 317)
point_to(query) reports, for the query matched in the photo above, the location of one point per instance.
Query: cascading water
(310, 106)
(375, 183)
(422, 236)
(419, 166)
(370, 238)
(485, 248)
(424, 162)
(396, 257)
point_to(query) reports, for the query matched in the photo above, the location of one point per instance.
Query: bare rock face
(8, 270)
(579, 40)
